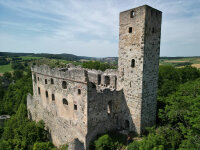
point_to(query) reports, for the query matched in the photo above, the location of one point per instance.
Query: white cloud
(91, 27)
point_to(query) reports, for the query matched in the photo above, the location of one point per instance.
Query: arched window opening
(130, 30)
(65, 102)
(107, 80)
(132, 14)
(52, 81)
(47, 94)
(127, 125)
(99, 79)
(75, 107)
(64, 84)
(39, 90)
(53, 97)
(133, 63)
(109, 107)
(45, 81)
(79, 91)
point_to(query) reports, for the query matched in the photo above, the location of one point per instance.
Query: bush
(43, 146)
(104, 143)
(110, 141)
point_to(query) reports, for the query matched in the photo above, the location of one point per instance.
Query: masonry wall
(138, 64)
(65, 122)
(131, 46)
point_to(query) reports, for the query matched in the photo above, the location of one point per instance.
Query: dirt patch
(196, 65)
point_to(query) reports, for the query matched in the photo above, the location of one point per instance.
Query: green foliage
(170, 78)
(3, 61)
(104, 143)
(19, 132)
(17, 74)
(7, 76)
(64, 147)
(22, 133)
(17, 66)
(16, 94)
(43, 146)
(110, 141)
(97, 65)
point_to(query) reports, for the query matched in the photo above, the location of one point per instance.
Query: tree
(17, 74)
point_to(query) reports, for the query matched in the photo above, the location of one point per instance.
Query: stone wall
(138, 63)
(65, 120)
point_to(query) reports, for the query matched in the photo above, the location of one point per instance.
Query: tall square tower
(138, 64)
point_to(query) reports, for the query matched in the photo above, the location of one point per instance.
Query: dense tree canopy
(19, 132)
(97, 65)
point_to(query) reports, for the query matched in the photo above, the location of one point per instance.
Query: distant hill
(69, 57)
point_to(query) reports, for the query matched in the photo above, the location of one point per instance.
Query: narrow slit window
(75, 107)
(34, 78)
(52, 81)
(39, 90)
(38, 79)
(79, 91)
(99, 79)
(45, 81)
(47, 94)
(132, 14)
(133, 63)
(53, 97)
(130, 30)
(153, 30)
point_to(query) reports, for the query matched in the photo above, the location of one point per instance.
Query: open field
(180, 62)
(5, 68)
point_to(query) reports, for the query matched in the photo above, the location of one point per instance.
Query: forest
(178, 115)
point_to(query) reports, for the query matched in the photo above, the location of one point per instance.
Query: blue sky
(90, 27)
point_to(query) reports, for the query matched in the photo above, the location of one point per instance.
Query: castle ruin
(76, 104)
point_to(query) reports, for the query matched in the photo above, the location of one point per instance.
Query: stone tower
(139, 49)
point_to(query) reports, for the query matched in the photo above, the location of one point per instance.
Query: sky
(91, 27)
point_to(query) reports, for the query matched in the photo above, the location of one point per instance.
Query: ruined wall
(65, 121)
(138, 64)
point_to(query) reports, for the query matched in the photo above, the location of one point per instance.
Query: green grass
(5, 68)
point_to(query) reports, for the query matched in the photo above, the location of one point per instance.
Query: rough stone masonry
(76, 104)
